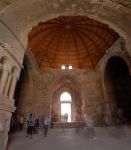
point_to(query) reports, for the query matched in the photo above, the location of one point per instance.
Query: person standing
(46, 126)
(31, 124)
(90, 128)
(53, 119)
(106, 121)
(21, 121)
(42, 121)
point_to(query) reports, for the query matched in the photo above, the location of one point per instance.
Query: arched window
(65, 97)
(70, 67)
(63, 67)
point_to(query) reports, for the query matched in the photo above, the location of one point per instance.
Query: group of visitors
(33, 124)
(64, 117)
(43, 122)
(16, 123)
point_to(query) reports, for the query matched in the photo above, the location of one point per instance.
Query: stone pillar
(4, 128)
(6, 109)
(3, 80)
(7, 85)
(12, 87)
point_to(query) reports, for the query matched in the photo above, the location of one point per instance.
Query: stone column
(12, 87)
(7, 85)
(4, 128)
(6, 107)
(3, 80)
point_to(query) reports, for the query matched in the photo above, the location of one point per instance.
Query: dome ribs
(56, 50)
(42, 39)
(46, 50)
(70, 40)
(84, 43)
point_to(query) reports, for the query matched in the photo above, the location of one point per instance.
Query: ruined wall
(107, 99)
(38, 87)
(96, 98)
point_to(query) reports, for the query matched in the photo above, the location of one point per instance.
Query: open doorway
(65, 100)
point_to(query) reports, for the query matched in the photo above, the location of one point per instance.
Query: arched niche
(76, 102)
(117, 82)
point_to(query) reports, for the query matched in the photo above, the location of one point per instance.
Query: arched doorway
(65, 100)
(118, 86)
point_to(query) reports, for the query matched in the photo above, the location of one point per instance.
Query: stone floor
(68, 139)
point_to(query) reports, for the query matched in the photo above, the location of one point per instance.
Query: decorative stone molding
(7, 85)
(5, 126)
(6, 107)
(4, 78)
(15, 59)
(12, 87)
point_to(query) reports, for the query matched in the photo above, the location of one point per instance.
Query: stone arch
(120, 51)
(62, 96)
(76, 104)
(118, 85)
(65, 79)
(101, 11)
(116, 51)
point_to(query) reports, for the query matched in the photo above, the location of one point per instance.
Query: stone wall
(88, 86)
(38, 88)
(107, 98)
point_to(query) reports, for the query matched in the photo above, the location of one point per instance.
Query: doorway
(65, 100)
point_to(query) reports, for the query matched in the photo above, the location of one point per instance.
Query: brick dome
(70, 40)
